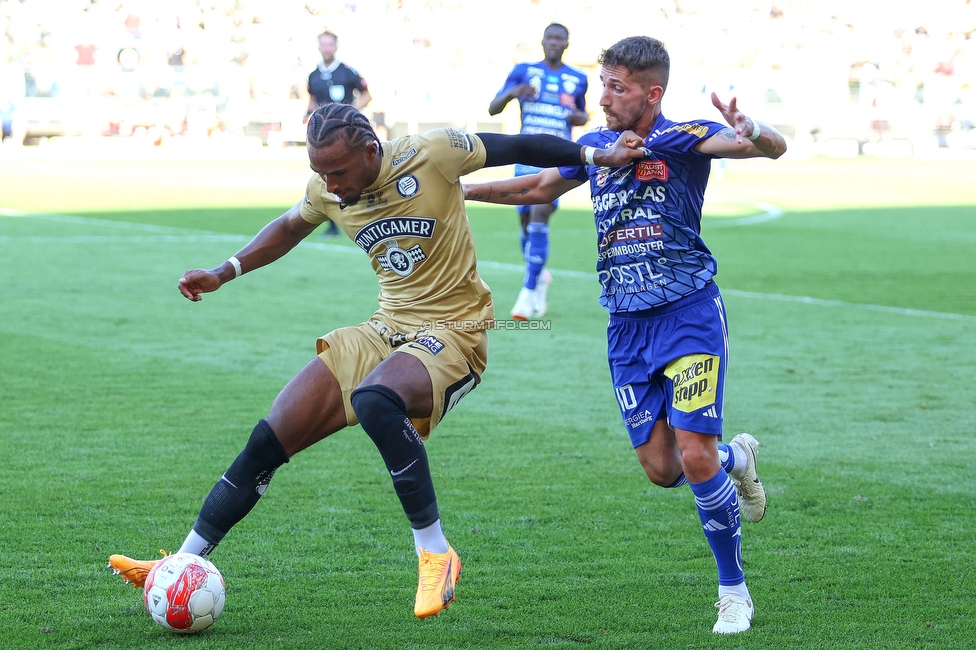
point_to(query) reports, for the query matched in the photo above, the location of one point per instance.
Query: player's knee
(372, 403)
(699, 461)
(262, 455)
(244, 482)
(383, 416)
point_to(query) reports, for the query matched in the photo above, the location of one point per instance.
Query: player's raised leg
(308, 409)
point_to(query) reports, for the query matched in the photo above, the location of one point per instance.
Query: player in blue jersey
(552, 99)
(667, 337)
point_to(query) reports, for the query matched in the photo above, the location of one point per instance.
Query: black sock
(383, 416)
(239, 489)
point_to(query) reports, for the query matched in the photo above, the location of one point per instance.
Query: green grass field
(853, 324)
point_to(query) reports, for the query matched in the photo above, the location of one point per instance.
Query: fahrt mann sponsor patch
(652, 170)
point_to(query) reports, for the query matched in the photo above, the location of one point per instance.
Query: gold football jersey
(412, 224)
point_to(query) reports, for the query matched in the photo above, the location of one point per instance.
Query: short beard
(348, 202)
(627, 121)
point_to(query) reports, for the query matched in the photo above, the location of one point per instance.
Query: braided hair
(332, 121)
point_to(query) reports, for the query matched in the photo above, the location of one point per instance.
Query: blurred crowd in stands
(868, 74)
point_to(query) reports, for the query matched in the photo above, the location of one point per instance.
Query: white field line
(807, 300)
(163, 234)
(768, 213)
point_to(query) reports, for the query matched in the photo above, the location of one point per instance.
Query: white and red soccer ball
(184, 593)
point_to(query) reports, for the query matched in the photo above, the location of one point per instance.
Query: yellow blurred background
(841, 78)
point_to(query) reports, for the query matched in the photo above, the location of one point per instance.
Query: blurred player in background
(401, 371)
(334, 82)
(667, 337)
(13, 90)
(552, 99)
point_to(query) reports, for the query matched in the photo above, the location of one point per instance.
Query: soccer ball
(184, 593)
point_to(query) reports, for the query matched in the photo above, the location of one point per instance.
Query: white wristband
(756, 132)
(236, 263)
(588, 155)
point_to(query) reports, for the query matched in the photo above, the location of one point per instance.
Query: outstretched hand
(198, 281)
(737, 120)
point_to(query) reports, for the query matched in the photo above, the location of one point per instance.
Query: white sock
(431, 538)
(739, 590)
(739, 460)
(196, 545)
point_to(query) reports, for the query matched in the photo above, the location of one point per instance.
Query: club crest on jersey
(386, 231)
(401, 261)
(408, 186)
(652, 170)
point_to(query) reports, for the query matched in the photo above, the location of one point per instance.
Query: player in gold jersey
(425, 347)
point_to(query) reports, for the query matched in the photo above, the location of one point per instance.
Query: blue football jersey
(648, 217)
(557, 94)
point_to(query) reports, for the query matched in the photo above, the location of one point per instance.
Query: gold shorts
(454, 359)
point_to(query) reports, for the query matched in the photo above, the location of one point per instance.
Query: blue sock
(524, 244)
(678, 483)
(536, 253)
(726, 457)
(718, 509)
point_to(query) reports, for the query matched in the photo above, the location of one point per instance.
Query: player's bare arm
(578, 117)
(363, 99)
(737, 141)
(274, 241)
(531, 189)
(520, 91)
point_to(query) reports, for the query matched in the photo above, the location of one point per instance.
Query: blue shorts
(525, 170)
(669, 362)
